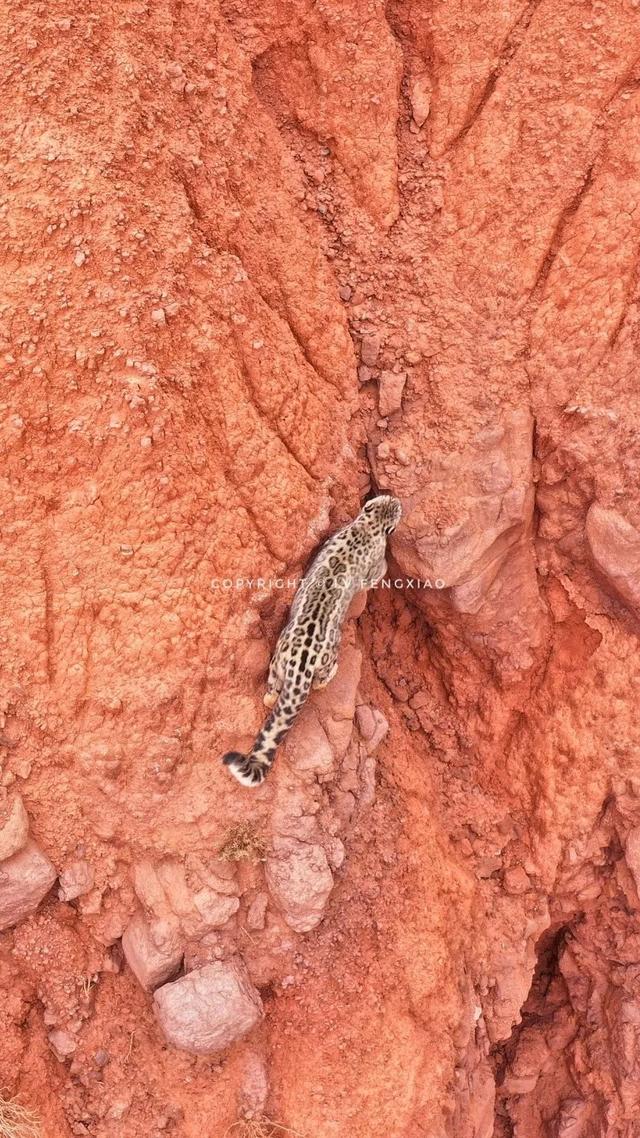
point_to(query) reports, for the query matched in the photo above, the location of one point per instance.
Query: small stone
(152, 949)
(101, 1057)
(257, 912)
(370, 349)
(119, 1107)
(346, 292)
(158, 316)
(79, 258)
(76, 879)
(420, 99)
(209, 1009)
(64, 1044)
(14, 827)
(25, 879)
(390, 392)
(366, 721)
(515, 880)
(412, 357)
(364, 374)
(215, 909)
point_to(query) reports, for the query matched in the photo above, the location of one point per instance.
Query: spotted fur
(306, 654)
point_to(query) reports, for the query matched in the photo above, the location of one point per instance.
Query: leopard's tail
(252, 769)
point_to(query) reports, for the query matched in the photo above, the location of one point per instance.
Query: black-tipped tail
(248, 770)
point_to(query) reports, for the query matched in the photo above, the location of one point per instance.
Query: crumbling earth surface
(257, 260)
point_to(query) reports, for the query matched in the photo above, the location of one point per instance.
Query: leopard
(306, 653)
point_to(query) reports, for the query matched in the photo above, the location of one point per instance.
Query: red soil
(221, 225)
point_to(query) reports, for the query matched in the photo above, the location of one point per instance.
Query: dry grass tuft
(244, 843)
(17, 1121)
(259, 1128)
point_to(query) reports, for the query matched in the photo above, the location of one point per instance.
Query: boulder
(209, 1009)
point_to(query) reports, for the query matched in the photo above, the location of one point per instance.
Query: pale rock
(14, 827)
(209, 1009)
(257, 912)
(515, 880)
(152, 949)
(336, 852)
(365, 720)
(25, 879)
(370, 349)
(420, 99)
(615, 547)
(214, 908)
(75, 880)
(149, 889)
(63, 1043)
(632, 855)
(391, 387)
(300, 882)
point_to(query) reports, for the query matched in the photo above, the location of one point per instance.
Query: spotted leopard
(306, 655)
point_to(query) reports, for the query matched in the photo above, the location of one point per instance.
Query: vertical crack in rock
(522, 1060)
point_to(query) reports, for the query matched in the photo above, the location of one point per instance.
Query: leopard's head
(385, 510)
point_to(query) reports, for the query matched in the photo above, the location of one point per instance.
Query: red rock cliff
(256, 259)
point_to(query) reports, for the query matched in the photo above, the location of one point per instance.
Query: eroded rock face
(209, 1009)
(25, 878)
(615, 546)
(261, 259)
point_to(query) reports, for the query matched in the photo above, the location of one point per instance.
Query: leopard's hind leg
(275, 679)
(327, 667)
